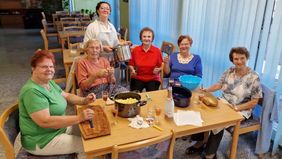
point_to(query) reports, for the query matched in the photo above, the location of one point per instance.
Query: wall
(124, 14)
(85, 4)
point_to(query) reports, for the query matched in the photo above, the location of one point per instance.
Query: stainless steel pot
(128, 110)
(122, 53)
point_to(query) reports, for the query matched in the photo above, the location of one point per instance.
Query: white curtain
(218, 25)
(160, 15)
(114, 16)
(270, 53)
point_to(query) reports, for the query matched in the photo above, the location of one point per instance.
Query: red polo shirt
(145, 62)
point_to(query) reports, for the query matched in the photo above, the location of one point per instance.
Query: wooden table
(218, 117)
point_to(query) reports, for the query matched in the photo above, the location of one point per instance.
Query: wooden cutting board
(100, 123)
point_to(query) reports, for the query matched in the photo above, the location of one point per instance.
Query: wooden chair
(73, 28)
(123, 33)
(69, 23)
(46, 43)
(44, 17)
(137, 149)
(49, 29)
(62, 12)
(69, 19)
(75, 88)
(252, 124)
(75, 38)
(85, 23)
(9, 130)
(85, 18)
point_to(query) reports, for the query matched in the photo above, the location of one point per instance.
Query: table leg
(89, 156)
(235, 138)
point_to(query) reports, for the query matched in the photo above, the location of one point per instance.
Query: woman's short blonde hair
(92, 41)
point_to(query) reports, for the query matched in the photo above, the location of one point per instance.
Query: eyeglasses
(45, 67)
(104, 8)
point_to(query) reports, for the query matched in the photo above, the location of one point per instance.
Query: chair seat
(24, 154)
(250, 122)
(245, 124)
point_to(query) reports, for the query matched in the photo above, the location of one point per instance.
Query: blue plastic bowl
(189, 81)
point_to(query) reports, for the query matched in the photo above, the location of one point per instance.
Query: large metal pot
(128, 110)
(122, 53)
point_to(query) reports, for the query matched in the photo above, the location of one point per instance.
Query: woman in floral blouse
(241, 88)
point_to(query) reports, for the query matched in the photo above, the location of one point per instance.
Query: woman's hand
(157, 70)
(91, 97)
(133, 73)
(111, 70)
(166, 60)
(102, 73)
(86, 115)
(107, 48)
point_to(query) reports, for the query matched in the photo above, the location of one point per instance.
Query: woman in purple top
(183, 62)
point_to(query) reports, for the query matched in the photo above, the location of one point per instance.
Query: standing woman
(145, 63)
(45, 129)
(183, 62)
(103, 30)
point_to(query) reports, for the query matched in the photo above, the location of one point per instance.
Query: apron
(107, 37)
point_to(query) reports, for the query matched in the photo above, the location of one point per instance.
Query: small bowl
(189, 81)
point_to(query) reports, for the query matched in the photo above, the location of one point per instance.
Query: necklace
(184, 60)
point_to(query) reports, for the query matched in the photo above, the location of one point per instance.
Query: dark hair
(238, 50)
(147, 29)
(39, 55)
(99, 5)
(181, 37)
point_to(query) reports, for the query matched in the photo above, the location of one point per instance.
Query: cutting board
(100, 123)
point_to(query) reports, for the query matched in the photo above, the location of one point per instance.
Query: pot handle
(142, 103)
(112, 97)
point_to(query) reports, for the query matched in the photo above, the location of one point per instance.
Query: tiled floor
(16, 48)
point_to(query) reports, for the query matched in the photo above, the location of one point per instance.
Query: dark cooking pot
(128, 110)
(122, 53)
(181, 96)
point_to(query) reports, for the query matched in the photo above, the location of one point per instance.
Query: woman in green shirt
(45, 129)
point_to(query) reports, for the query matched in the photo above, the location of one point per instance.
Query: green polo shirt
(33, 98)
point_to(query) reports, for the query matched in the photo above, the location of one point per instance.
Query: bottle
(169, 105)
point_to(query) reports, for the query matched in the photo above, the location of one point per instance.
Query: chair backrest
(68, 19)
(123, 33)
(45, 26)
(73, 28)
(43, 15)
(85, 18)
(158, 147)
(252, 124)
(9, 129)
(75, 37)
(167, 47)
(45, 40)
(62, 12)
(70, 23)
(46, 43)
